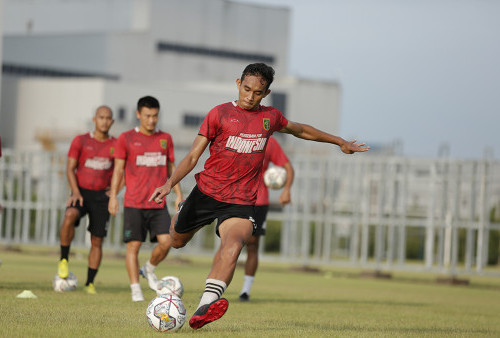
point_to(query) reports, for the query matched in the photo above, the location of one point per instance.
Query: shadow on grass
(335, 301)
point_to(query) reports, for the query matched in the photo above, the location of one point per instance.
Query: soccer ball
(275, 177)
(166, 313)
(65, 284)
(170, 285)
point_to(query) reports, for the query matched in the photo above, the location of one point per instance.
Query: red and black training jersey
(276, 155)
(146, 158)
(238, 141)
(95, 161)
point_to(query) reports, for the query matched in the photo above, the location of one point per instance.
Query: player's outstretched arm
(308, 132)
(76, 196)
(185, 166)
(116, 182)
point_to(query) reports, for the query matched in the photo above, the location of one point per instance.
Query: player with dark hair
(226, 189)
(146, 156)
(89, 169)
(275, 155)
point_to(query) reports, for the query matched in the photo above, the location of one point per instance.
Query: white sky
(424, 72)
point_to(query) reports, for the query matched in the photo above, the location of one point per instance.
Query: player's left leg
(95, 256)
(234, 233)
(251, 266)
(253, 251)
(97, 205)
(67, 232)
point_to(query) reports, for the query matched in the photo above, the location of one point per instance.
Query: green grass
(285, 302)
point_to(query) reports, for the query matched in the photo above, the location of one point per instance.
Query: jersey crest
(163, 143)
(111, 150)
(267, 123)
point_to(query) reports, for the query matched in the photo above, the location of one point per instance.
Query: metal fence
(359, 211)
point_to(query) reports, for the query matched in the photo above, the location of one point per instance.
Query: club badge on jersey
(163, 143)
(266, 123)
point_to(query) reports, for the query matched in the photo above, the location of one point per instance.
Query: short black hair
(259, 69)
(148, 102)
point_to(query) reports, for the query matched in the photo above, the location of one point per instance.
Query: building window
(163, 46)
(122, 114)
(193, 119)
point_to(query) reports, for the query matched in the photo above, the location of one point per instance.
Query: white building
(63, 58)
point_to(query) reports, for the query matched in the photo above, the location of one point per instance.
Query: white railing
(359, 211)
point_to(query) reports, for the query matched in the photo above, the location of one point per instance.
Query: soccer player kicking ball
(146, 155)
(89, 169)
(226, 189)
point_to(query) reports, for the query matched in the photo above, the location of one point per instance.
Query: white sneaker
(150, 276)
(137, 294)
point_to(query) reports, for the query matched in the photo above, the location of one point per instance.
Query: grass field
(285, 302)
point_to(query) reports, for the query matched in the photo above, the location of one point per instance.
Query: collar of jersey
(251, 111)
(137, 130)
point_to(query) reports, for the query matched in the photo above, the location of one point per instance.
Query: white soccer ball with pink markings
(166, 313)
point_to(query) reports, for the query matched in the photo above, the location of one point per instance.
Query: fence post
(429, 230)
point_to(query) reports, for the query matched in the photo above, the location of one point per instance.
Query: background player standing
(226, 189)
(89, 170)
(146, 155)
(275, 154)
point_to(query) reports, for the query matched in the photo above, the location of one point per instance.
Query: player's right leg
(234, 233)
(132, 264)
(67, 232)
(158, 254)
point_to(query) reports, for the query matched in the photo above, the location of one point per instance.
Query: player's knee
(72, 214)
(96, 241)
(178, 242)
(231, 250)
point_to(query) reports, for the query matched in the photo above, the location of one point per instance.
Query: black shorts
(95, 204)
(260, 219)
(199, 210)
(137, 223)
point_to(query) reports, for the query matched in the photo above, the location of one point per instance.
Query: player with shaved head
(89, 169)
